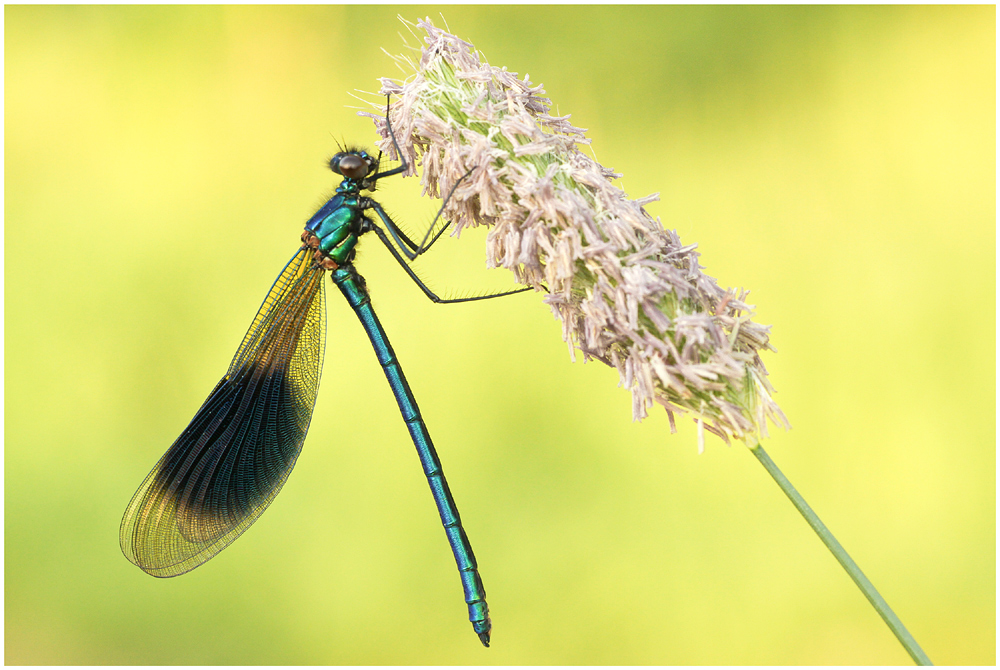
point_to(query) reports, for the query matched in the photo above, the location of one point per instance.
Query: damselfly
(230, 462)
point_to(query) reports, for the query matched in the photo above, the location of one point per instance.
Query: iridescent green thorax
(333, 231)
(351, 186)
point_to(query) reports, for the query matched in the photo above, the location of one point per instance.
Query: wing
(235, 455)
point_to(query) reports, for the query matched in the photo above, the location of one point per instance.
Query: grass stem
(877, 601)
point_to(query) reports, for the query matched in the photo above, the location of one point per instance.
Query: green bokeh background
(838, 161)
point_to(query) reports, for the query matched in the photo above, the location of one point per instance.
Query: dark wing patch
(235, 455)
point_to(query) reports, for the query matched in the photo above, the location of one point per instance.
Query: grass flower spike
(628, 292)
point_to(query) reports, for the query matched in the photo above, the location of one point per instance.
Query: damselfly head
(353, 164)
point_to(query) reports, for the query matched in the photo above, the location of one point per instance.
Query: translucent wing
(235, 455)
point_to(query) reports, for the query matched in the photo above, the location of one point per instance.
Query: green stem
(879, 603)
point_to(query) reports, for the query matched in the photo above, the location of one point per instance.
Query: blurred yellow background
(840, 162)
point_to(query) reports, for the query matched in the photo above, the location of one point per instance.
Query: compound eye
(335, 163)
(353, 167)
